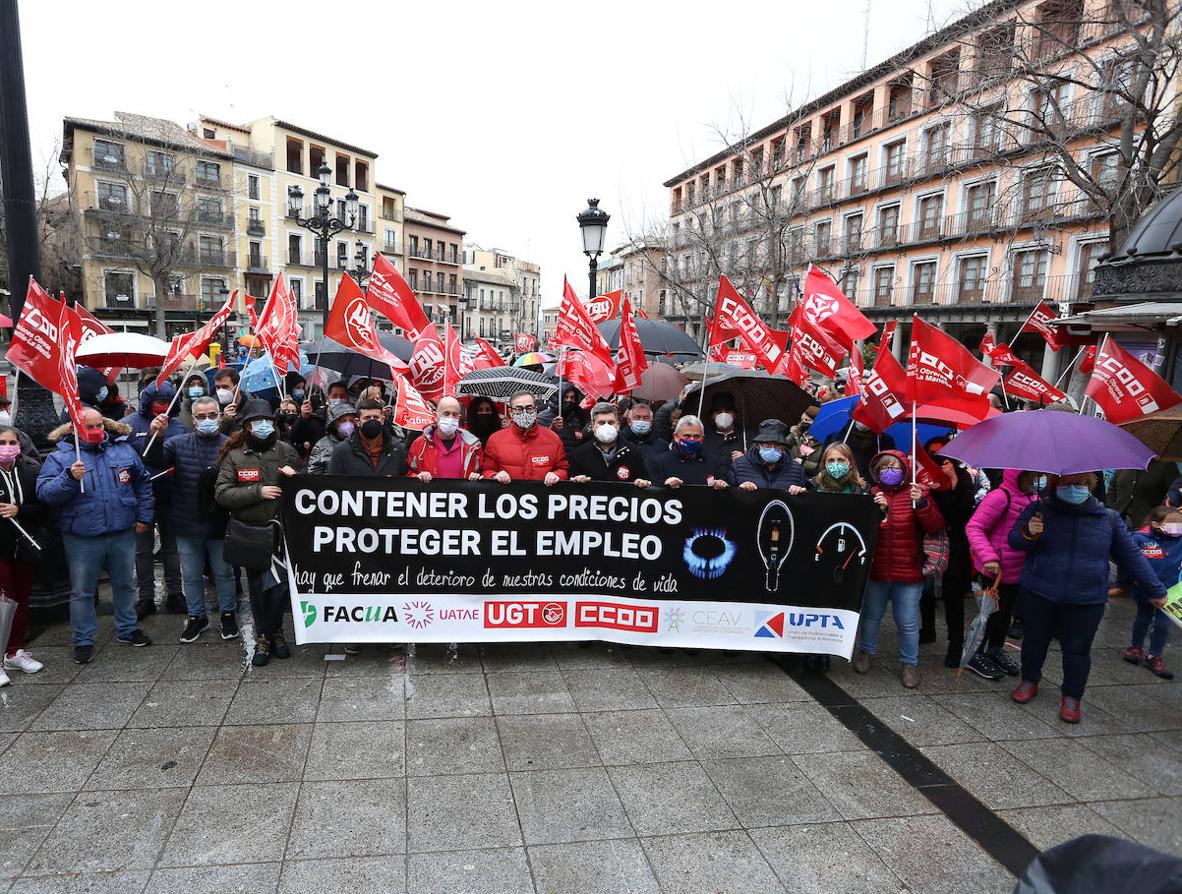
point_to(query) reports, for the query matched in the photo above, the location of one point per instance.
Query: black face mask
(262, 443)
(288, 418)
(371, 429)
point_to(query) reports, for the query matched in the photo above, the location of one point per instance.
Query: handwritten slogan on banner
(456, 561)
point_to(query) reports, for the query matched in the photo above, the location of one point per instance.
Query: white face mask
(606, 433)
(225, 395)
(448, 425)
(724, 420)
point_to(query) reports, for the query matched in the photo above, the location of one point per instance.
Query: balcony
(110, 248)
(173, 301)
(170, 175)
(254, 157)
(391, 248)
(203, 180)
(115, 163)
(104, 205)
(256, 228)
(213, 219)
(884, 297)
(420, 253)
(257, 264)
(212, 257)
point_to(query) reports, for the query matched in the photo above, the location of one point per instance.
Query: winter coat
(626, 465)
(141, 422)
(723, 446)
(1133, 494)
(351, 458)
(701, 470)
(663, 420)
(118, 493)
(322, 450)
(242, 475)
(306, 433)
(1164, 555)
(749, 467)
(898, 554)
(190, 455)
(423, 455)
(650, 445)
(956, 506)
(525, 455)
(1069, 562)
(989, 528)
(20, 487)
(186, 403)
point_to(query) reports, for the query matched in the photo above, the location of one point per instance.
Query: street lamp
(593, 225)
(322, 223)
(360, 270)
(225, 294)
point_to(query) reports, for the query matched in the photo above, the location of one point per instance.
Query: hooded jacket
(186, 413)
(322, 451)
(898, 554)
(989, 528)
(20, 488)
(781, 476)
(1068, 563)
(526, 455)
(423, 455)
(1164, 555)
(118, 493)
(140, 423)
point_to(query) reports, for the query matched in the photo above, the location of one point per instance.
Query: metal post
(324, 260)
(594, 265)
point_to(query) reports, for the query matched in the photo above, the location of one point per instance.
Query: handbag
(936, 552)
(248, 546)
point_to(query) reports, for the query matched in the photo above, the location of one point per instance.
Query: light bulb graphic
(774, 538)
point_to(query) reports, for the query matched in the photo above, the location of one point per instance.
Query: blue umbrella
(834, 417)
(258, 378)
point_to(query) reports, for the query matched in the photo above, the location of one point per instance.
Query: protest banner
(396, 560)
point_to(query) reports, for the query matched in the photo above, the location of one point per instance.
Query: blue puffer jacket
(141, 422)
(749, 467)
(118, 492)
(1164, 555)
(1069, 562)
(190, 454)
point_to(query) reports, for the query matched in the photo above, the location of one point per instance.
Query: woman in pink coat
(988, 531)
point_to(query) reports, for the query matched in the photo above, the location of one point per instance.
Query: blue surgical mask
(297, 393)
(196, 391)
(690, 448)
(1072, 493)
(262, 429)
(641, 427)
(207, 427)
(1039, 484)
(102, 394)
(770, 454)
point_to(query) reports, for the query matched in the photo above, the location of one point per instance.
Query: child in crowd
(1161, 543)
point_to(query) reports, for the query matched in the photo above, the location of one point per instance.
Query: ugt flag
(1124, 387)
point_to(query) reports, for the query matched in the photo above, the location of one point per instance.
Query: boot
(862, 662)
(910, 676)
(279, 646)
(1069, 709)
(262, 650)
(1024, 692)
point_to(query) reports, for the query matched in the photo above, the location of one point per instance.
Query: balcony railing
(391, 248)
(212, 257)
(102, 161)
(254, 157)
(257, 264)
(203, 180)
(256, 228)
(996, 290)
(172, 175)
(213, 219)
(173, 301)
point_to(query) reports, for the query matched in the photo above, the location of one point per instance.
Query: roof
(429, 219)
(153, 131)
(1157, 232)
(1142, 314)
(303, 131)
(217, 122)
(497, 277)
(947, 34)
(400, 192)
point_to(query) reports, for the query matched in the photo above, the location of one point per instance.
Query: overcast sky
(506, 116)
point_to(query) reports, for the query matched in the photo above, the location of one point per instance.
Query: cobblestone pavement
(549, 769)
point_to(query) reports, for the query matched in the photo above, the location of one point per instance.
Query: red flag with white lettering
(734, 317)
(1124, 387)
(855, 372)
(1088, 363)
(942, 372)
(36, 341)
(888, 334)
(70, 335)
(1039, 321)
(630, 360)
(604, 307)
(92, 326)
(817, 350)
(587, 360)
(457, 363)
(826, 307)
(741, 359)
(350, 324)
(1024, 382)
(410, 409)
(389, 294)
(278, 327)
(988, 343)
(524, 342)
(486, 356)
(190, 344)
(1003, 355)
(928, 471)
(884, 390)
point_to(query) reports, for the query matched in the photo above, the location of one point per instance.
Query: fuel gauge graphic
(840, 548)
(774, 539)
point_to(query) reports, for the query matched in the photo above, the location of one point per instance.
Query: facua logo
(524, 614)
(309, 611)
(606, 615)
(418, 614)
(353, 614)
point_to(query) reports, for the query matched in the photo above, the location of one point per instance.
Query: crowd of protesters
(194, 479)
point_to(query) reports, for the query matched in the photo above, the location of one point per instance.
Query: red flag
(486, 356)
(888, 334)
(630, 360)
(1039, 322)
(1088, 363)
(741, 359)
(69, 336)
(351, 324)
(92, 326)
(855, 372)
(928, 471)
(716, 341)
(454, 367)
(826, 307)
(587, 361)
(817, 350)
(389, 294)
(410, 409)
(1002, 355)
(988, 344)
(278, 327)
(734, 317)
(1124, 387)
(1024, 382)
(604, 307)
(191, 344)
(884, 390)
(36, 341)
(942, 372)
(524, 342)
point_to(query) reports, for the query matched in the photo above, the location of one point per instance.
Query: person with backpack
(1068, 537)
(988, 532)
(1160, 543)
(897, 570)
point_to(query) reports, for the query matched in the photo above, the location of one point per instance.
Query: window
(294, 249)
(440, 251)
(1089, 255)
(295, 156)
(451, 284)
(252, 216)
(108, 154)
(342, 170)
(894, 156)
(320, 293)
(209, 173)
(209, 249)
(821, 235)
(979, 198)
(1029, 275)
(389, 208)
(935, 147)
(252, 186)
(391, 239)
(931, 216)
(414, 246)
(159, 164)
(176, 284)
(255, 256)
(689, 194)
(970, 279)
(119, 288)
(888, 226)
(995, 52)
(884, 286)
(426, 248)
(361, 176)
(1106, 169)
(439, 282)
(209, 210)
(858, 168)
(363, 218)
(211, 290)
(112, 197)
(455, 253)
(852, 234)
(297, 291)
(825, 184)
(852, 284)
(1038, 193)
(985, 132)
(165, 204)
(923, 282)
(342, 255)
(413, 278)
(899, 101)
(1049, 115)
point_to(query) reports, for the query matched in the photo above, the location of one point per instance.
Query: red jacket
(525, 455)
(423, 455)
(898, 554)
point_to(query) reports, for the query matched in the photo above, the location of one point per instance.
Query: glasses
(202, 416)
(524, 407)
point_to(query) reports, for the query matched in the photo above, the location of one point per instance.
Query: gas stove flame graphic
(708, 553)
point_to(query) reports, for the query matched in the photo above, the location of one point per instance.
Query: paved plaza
(516, 769)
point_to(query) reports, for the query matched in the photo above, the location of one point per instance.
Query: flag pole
(914, 429)
(1023, 326)
(172, 403)
(1070, 366)
(78, 458)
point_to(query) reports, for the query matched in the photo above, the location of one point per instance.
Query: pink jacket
(989, 528)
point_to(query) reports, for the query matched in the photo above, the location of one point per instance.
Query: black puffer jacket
(350, 458)
(781, 476)
(190, 455)
(20, 487)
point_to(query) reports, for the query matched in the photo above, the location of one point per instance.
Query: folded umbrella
(986, 605)
(7, 613)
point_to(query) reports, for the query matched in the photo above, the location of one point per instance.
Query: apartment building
(492, 301)
(518, 308)
(640, 277)
(391, 204)
(549, 324)
(915, 186)
(434, 262)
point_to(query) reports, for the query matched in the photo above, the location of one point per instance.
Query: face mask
(689, 448)
(225, 395)
(371, 429)
(157, 408)
(5, 417)
(524, 419)
(1174, 529)
(891, 477)
(297, 393)
(344, 429)
(606, 433)
(262, 429)
(769, 454)
(837, 469)
(805, 423)
(641, 427)
(724, 420)
(447, 425)
(93, 435)
(289, 417)
(335, 401)
(1039, 484)
(9, 452)
(195, 392)
(207, 427)
(1072, 493)
(102, 394)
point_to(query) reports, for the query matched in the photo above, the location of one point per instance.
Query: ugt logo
(309, 611)
(359, 324)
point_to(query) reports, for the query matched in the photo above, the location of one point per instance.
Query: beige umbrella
(1161, 432)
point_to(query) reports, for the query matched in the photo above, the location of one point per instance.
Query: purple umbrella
(1050, 441)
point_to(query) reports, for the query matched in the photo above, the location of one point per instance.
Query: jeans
(193, 552)
(1073, 625)
(267, 601)
(145, 547)
(86, 557)
(904, 598)
(1147, 615)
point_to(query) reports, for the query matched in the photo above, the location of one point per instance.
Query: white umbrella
(128, 349)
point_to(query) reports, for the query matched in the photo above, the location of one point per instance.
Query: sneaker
(983, 667)
(145, 607)
(4, 681)
(1004, 662)
(23, 662)
(83, 654)
(1069, 711)
(862, 662)
(229, 625)
(910, 676)
(262, 650)
(1024, 692)
(197, 625)
(279, 647)
(137, 638)
(1156, 666)
(1134, 655)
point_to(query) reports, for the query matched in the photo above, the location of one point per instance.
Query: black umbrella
(502, 382)
(758, 395)
(332, 355)
(657, 336)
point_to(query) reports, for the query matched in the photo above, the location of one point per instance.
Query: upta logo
(772, 625)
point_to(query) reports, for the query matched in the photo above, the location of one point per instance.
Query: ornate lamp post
(593, 225)
(322, 222)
